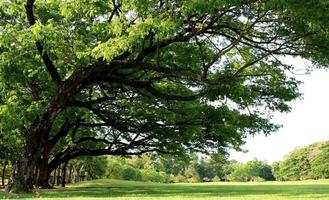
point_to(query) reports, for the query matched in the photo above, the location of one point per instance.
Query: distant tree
(276, 170)
(192, 174)
(296, 165)
(253, 170)
(115, 167)
(239, 173)
(216, 179)
(261, 169)
(10, 146)
(307, 162)
(171, 164)
(320, 164)
(204, 169)
(228, 169)
(219, 163)
(131, 173)
(96, 167)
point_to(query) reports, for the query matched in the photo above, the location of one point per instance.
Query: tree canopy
(128, 77)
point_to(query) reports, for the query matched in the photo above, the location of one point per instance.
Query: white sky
(308, 122)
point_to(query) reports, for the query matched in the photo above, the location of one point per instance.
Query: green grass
(130, 190)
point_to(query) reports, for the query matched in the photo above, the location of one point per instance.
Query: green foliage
(296, 166)
(95, 166)
(130, 173)
(195, 169)
(320, 165)
(309, 162)
(216, 179)
(135, 168)
(240, 173)
(276, 171)
(253, 170)
(192, 175)
(171, 164)
(153, 176)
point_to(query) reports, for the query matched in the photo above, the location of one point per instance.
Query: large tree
(127, 77)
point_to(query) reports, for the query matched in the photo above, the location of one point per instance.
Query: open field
(130, 190)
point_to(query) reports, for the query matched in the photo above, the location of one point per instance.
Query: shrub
(216, 179)
(130, 173)
(154, 176)
(257, 179)
(177, 179)
(206, 179)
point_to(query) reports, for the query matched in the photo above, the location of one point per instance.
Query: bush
(216, 179)
(193, 180)
(115, 170)
(154, 176)
(239, 173)
(130, 173)
(177, 179)
(206, 179)
(257, 179)
(253, 170)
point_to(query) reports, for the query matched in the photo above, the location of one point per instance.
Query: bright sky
(307, 123)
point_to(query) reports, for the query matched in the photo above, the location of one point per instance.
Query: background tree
(220, 164)
(129, 77)
(308, 162)
(320, 164)
(276, 166)
(253, 170)
(10, 146)
(172, 164)
(296, 165)
(96, 167)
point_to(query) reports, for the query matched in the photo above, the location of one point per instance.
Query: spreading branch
(45, 57)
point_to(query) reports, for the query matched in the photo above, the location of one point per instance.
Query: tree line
(214, 168)
(303, 163)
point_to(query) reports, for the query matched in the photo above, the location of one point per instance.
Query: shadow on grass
(306, 191)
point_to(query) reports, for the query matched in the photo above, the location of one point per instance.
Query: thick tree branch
(72, 153)
(64, 130)
(91, 139)
(45, 57)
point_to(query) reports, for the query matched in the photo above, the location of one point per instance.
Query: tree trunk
(36, 137)
(36, 174)
(54, 177)
(4, 173)
(43, 179)
(23, 179)
(74, 179)
(25, 166)
(58, 178)
(70, 174)
(64, 174)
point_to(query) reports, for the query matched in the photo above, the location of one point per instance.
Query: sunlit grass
(131, 190)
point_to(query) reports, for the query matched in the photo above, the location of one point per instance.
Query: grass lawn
(130, 190)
